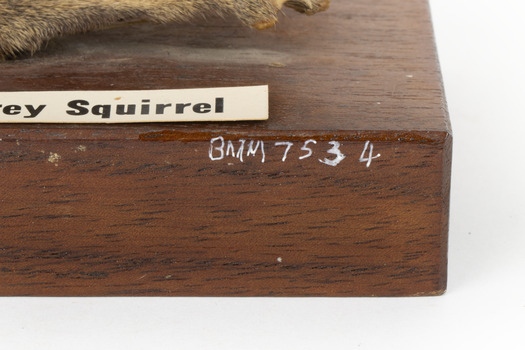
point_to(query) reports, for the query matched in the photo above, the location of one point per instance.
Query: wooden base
(349, 198)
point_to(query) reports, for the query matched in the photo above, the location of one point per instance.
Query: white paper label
(135, 106)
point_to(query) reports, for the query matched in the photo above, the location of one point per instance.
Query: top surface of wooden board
(360, 66)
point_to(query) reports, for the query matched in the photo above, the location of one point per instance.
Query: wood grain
(144, 209)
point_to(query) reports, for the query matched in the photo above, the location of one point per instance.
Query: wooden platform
(157, 209)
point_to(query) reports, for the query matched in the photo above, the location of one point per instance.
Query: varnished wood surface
(144, 210)
(358, 66)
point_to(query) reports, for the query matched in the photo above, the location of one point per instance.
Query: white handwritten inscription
(368, 160)
(339, 156)
(220, 149)
(288, 145)
(306, 149)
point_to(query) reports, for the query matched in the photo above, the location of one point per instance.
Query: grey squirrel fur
(26, 25)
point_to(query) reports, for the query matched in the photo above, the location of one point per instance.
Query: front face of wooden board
(156, 216)
(342, 192)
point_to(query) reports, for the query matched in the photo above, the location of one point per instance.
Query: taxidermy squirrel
(25, 25)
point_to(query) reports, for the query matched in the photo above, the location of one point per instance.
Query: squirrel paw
(266, 16)
(308, 7)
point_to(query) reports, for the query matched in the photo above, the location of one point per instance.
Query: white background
(482, 51)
